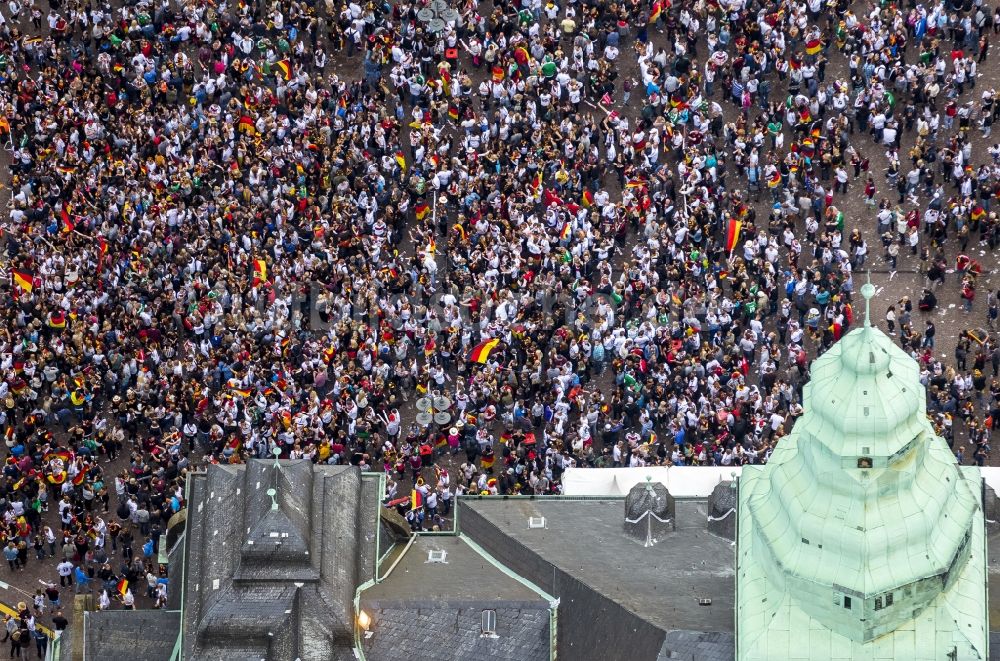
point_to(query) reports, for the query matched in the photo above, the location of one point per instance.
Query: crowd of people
(608, 234)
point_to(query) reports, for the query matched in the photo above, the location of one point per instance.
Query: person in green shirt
(773, 130)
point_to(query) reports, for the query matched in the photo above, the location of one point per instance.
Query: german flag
(259, 271)
(486, 461)
(246, 126)
(67, 221)
(655, 12)
(453, 112)
(57, 320)
(481, 352)
(79, 478)
(775, 180)
(242, 393)
(587, 199)
(4, 125)
(567, 231)
(122, 587)
(65, 169)
(401, 160)
(460, 231)
(102, 246)
(284, 68)
(498, 74)
(733, 234)
(65, 455)
(57, 478)
(416, 499)
(24, 279)
(977, 213)
(536, 183)
(814, 46)
(635, 183)
(421, 210)
(77, 398)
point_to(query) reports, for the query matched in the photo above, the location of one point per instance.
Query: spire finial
(868, 291)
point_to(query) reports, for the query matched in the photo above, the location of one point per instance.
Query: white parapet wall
(680, 481)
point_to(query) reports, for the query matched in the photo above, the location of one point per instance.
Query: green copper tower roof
(862, 524)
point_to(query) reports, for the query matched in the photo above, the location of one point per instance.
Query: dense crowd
(608, 234)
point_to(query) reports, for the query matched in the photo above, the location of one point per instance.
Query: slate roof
(429, 610)
(446, 632)
(275, 578)
(698, 646)
(661, 584)
(130, 635)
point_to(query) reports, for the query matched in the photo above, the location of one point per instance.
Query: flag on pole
(416, 499)
(122, 587)
(259, 271)
(481, 352)
(733, 234)
(285, 69)
(24, 279)
(67, 221)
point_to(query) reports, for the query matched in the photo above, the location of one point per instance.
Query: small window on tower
(847, 602)
(888, 599)
(864, 462)
(878, 603)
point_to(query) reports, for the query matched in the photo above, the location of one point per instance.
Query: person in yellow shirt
(323, 451)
